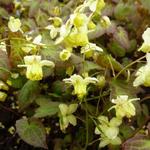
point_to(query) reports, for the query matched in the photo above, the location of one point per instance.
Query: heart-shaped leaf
(28, 93)
(47, 107)
(32, 132)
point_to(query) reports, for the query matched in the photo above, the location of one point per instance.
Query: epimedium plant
(74, 74)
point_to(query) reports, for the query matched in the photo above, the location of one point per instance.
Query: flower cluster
(74, 32)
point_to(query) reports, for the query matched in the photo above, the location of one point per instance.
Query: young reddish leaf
(16, 53)
(121, 36)
(107, 61)
(138, 142)
(32, 132)
(4, 65)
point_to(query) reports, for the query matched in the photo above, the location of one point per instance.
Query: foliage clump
(73, 73)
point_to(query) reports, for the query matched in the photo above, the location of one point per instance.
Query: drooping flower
(101, 81)
(3, 46)
(3, 96)
(75, 39)
(96, 5)
(89, 49)
(146, 45)
(79, 19)
(3, 86)
(108, 130)
(37, 40)
(143, 74)
(65, 54)
(54, 27)
(80, 84)
(124, 106)
(66, 115)
(105, 22)
(31, 45)
(14, 24)
(34, 66)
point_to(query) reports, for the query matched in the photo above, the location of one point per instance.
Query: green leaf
(28, 93)
(18, 82)
(3, 13)
(47, 107)
(89, 65)
(146, 4)
(58, 87)
(138, 142)
(107, 61)
(121, 36)
(41, 18)
(4, 65)
(121, 87)
(116, 49)
(16, 53)
(126, 131)
(32, 132)
(123, 11)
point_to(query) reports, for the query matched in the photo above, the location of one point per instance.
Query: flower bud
(2, 96)
(105, 22)
(101, 81)
(65, 54)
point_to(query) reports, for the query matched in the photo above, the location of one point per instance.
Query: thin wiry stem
(129, 65)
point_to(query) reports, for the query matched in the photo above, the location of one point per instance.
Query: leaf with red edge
(32, 132)
(138, 142)
(4, 65)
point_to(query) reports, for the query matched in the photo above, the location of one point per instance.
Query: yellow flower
(65, 54)
(34, 66)
(64, 32)
(3, 46)
(37, 40)
(101, 81)
(123, 106)
(75, 39)
(3, 96)
(66, 115)
(74, 32)
(108, 130)
(56, 21)
(80, 84)
(79, 19)
(14, 24)
(91, 25)
(89, 49)
(29, 47)
(143, 74)
(146, 45)
(105, 22)
(3, 86)
(53, 31)
(96, 5)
